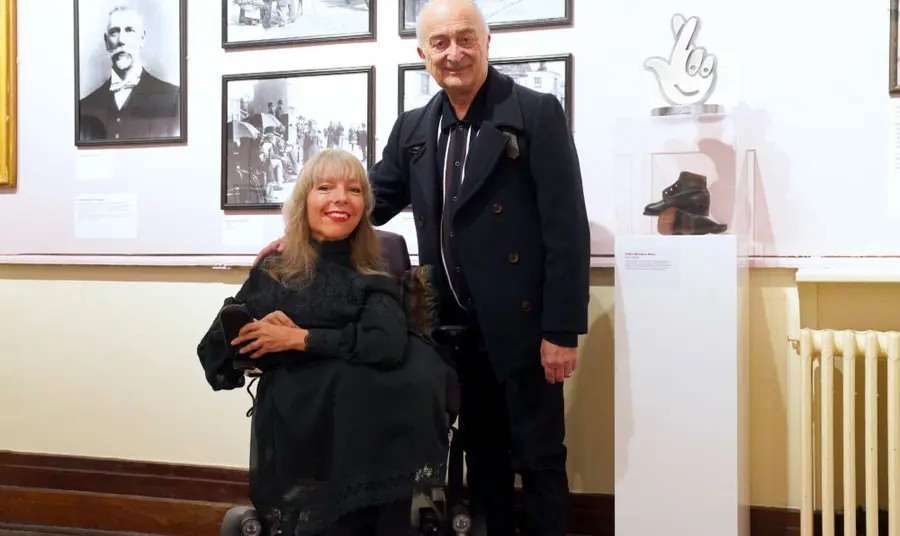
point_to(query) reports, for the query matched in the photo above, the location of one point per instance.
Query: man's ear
(421, 52)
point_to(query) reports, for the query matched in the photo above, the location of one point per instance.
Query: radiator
(822, 347)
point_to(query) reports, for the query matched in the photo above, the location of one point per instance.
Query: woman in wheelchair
(349, 420)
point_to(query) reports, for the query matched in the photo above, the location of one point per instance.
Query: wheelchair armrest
(246, 365)
(450, 335)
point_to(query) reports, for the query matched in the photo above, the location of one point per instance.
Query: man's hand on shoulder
(277, 246)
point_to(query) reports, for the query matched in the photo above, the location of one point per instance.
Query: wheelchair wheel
(460, 521)
(241, 521)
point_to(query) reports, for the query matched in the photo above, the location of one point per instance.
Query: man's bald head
(443, 8)
(453, 41)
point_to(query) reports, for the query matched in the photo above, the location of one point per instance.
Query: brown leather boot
(674, 221)
(689, 193)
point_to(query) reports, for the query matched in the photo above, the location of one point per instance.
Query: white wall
(184, 181)
(101, 361)
(809, 81)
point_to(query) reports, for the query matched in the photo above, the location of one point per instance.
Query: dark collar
(504, 110)
(501, 109)
(475, 114)
(333, 250)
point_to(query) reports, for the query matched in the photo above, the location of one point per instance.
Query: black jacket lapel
(423, 168)
(502, 111)
(486, 151)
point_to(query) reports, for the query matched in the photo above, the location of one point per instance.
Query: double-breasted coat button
(497, 208)
(513, 257)
(526, 306)
(420, 221)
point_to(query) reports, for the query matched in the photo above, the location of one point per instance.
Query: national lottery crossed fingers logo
(688, 76)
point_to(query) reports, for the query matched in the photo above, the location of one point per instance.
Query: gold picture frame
(8, 88)
(894, 56)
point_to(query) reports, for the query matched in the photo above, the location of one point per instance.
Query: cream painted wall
(100, 361)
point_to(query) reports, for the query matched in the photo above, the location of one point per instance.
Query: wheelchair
(443, 511)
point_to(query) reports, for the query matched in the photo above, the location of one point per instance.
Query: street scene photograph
(497, 12)
(274, 125)
(257, 22)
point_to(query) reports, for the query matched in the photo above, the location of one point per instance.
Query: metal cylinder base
(688, 109)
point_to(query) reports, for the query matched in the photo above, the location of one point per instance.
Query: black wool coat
(523, 236)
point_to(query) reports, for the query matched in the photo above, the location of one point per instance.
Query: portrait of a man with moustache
(132, 105)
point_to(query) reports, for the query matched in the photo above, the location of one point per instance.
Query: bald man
(492, 173)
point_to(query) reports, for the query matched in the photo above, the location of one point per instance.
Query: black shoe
(689, 194)
(674, 221)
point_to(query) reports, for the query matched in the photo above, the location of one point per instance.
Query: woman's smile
(338, 215)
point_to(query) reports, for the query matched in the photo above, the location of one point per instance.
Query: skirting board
(186, 500)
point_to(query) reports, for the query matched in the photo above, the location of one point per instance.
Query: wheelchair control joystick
(232, 318)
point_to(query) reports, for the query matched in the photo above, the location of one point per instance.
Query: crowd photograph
(274, 125)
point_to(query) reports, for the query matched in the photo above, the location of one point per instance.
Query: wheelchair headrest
(394, 252)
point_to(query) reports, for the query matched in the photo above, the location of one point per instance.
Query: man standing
(492, 173)
(132, 104)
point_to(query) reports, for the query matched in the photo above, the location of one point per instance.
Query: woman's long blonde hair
(298, 259)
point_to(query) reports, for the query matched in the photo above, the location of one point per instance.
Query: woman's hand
(268, 337)
(279, 319)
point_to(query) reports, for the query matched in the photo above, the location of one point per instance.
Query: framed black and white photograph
(274, 122)
(547, 74)
(501, 14)
(255, 23)
(130, 72)
(894, 67)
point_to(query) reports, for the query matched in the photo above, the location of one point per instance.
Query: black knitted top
(358, 419)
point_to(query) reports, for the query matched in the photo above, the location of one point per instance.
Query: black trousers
(509, 427)
(387, 520)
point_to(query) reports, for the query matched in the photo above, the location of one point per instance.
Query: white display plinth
(681, 341)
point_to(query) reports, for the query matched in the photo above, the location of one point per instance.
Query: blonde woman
(349, 420)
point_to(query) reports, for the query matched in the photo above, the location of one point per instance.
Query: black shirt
(452, 166)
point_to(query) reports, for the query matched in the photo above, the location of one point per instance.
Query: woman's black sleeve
(216, 353)
(379, 335)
